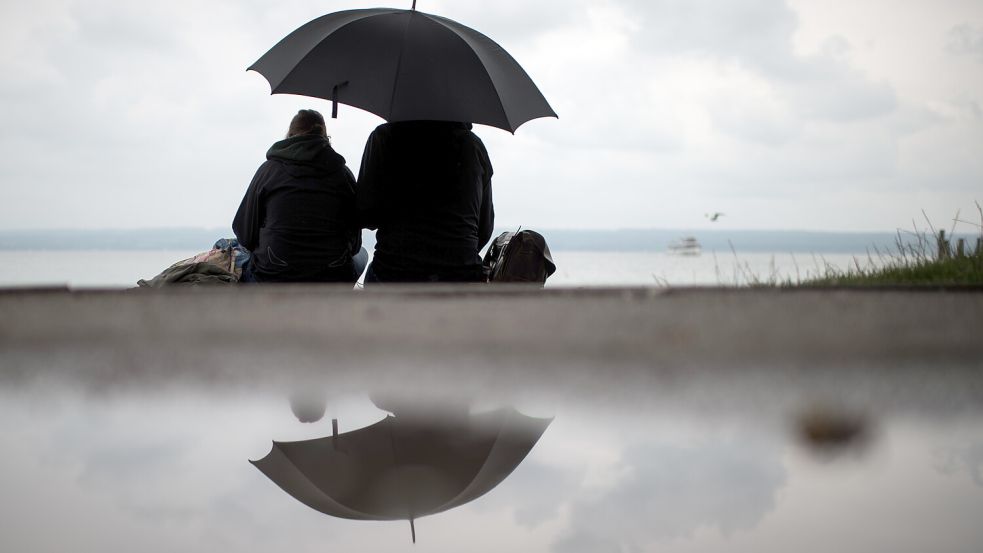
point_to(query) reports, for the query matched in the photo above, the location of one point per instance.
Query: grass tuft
(947, 271)
(927, 259)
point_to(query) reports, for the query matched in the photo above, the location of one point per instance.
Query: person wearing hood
(425, 186)
(298, 217)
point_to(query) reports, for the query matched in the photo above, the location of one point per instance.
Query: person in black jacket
(298, 217)
(426, 187)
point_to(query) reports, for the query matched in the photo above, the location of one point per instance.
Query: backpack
(220, 265)
(521, 256)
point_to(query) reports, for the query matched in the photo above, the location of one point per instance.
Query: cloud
(833, 91)
(669, 492)
(511, 23)
(754, 32)
(964, 459)
(710, 100)
(535, 493)
(142, 465)
(757, 35)
(966, 40)
(126, 115)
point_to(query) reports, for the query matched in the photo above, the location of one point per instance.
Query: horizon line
(501, 228)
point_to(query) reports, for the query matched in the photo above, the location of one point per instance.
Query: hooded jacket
(298, 215)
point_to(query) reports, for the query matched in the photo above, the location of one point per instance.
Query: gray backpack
(521, 256)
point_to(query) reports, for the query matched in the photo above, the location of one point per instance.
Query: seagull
(713, 218)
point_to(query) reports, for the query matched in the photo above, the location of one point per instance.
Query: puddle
(169, 470)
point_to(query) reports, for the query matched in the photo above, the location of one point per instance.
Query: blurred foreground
(683, 419)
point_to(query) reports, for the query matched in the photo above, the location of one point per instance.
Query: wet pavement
(681, 419)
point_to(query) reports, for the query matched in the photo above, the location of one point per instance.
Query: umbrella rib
(363, 16)
(498, 96)
(273, 87)
(313, 485)
(508, 414)
(392, 448)
(399, 65)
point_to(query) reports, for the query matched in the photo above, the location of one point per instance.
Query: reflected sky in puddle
(170, 471)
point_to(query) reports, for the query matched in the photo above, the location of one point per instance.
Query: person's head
(307, 121)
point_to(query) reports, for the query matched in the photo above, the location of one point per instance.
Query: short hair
(307, 121)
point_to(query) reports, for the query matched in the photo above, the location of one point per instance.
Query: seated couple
(425, 186)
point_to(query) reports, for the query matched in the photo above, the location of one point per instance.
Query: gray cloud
(126, 115)
(512, 23)
(757, 35)
(534, 492)
(965, 40)
(753, 32)
(761, 122)
(136, 463)
(964, 459)
(589, 543)
(669, 492)
(831, 90)
(543, 488)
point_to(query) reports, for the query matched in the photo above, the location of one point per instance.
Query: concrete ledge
(484, 336)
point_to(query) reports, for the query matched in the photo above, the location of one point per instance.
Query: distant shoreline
(640, 240)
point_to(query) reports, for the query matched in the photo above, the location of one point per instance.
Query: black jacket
(426, 187)
(298, 215)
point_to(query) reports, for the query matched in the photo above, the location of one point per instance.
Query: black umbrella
(404, 65)
(404, 468)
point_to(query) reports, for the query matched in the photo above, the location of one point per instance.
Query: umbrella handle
(334, 98)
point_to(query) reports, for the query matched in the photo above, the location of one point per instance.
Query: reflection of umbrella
(404, 65)
(403, 469)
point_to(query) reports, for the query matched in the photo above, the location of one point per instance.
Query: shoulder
(476, 141)
(268, 171)
(270, 168)
(382, 131)
(378, 138)
(479, 147)
(266, 168)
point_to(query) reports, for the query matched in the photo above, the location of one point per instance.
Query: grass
(965, 270)
(918, 259)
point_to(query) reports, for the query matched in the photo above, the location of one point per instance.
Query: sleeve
(354, 231)
(249, 217)
(371, 179)
(486, 220)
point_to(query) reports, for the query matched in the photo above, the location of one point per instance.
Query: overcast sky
(838, 115)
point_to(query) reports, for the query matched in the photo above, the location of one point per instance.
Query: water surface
(121, 268)
(168, 471)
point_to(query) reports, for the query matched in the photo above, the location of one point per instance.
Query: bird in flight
(713, 216)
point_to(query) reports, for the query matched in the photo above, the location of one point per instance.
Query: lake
(122, 268)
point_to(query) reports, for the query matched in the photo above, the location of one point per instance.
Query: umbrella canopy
(404, 65)
(403, 469)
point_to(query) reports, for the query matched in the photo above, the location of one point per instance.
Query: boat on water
(688, 245)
